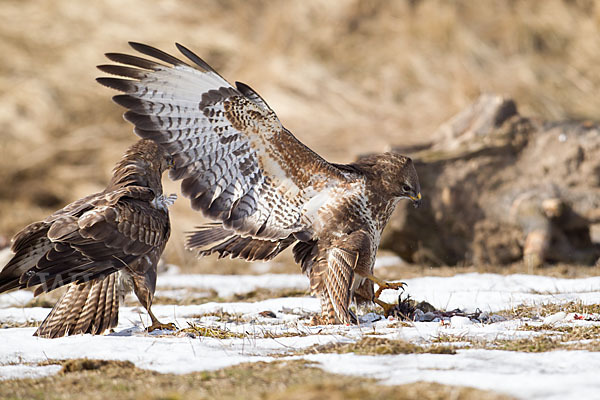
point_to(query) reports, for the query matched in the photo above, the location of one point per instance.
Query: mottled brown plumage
(264, 189)
(102, 245)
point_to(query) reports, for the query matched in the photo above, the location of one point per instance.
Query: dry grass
(347, 77)
(12, 324)
(211, 331)
(377, 346)
(546, 337)
(407, 271)
(551, 338)
(542, 310)
(290, 380)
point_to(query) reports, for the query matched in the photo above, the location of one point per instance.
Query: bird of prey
(261, 186)
(102, 245)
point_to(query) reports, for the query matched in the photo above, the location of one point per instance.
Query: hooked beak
(416, 200)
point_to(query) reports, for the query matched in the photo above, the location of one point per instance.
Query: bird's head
(396, 174)
(407, 182)
(142, 164)
(153, 156)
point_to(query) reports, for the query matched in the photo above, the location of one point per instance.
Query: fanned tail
(89, 307)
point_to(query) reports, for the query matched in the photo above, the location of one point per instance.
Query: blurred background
(346, 77)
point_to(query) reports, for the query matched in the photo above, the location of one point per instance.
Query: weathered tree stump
(499, 187)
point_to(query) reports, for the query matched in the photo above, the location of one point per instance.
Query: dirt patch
(85, 364)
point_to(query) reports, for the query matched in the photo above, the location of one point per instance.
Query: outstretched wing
(238, 164)
(87, 239)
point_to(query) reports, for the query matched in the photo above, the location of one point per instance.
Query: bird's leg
(157, 325)
(387, 307)
(383, 285)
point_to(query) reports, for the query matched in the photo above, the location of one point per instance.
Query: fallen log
(499, 187)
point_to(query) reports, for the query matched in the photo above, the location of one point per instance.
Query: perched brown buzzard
(265, 189)
(103, 245)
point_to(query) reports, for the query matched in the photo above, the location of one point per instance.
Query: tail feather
(76, 309)
(207, 234)
(89, 307)
(58, 322)
(98, 316)
(54, 322)
(87, 314)
(109, 304)
(213, 238)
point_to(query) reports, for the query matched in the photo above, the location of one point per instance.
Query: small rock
(484, 317)
(429, 316)
(554, 318)
(369, 317)
(418, 315)
(496, 318)
(267, 314)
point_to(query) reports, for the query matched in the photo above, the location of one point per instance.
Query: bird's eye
(406, 188)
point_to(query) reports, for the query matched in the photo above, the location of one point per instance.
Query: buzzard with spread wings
(264, 189)
(102, 246)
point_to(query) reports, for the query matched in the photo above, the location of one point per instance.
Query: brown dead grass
(290, 380)
(543, 310)
(347, 77)
(547, 337)
(197, 330)
(12, 324)
(561, 338)
(370, 345)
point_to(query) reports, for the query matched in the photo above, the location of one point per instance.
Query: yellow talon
(383, 285)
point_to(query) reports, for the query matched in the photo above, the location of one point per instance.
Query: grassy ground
(290, 380)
